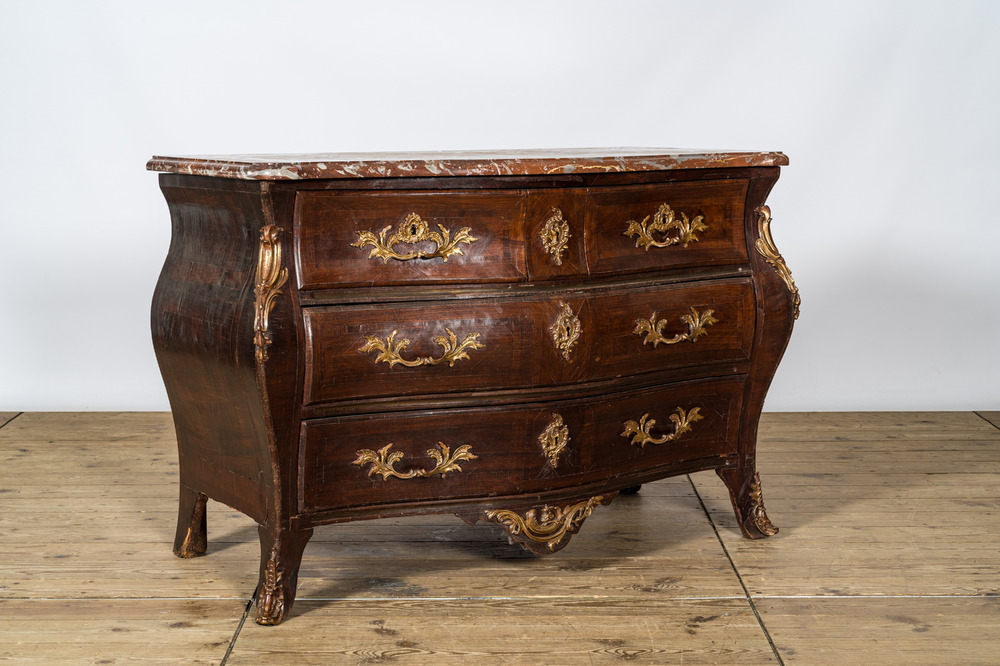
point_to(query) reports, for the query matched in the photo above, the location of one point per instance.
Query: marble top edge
(457, 163)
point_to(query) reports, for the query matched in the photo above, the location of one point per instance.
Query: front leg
(280, 557)
(191, 538)
(744, 490)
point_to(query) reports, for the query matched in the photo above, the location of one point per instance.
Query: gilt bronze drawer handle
(640, 432)
(696, 322)
(665, 221)
(389, 350)
(554, 236)
(547, 525)
(554, 439)
(566, 330)
(414, 230)
(383, 462)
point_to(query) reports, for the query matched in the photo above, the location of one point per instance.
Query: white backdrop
(889, 112)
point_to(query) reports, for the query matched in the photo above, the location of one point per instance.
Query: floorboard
(992, 417)
(888, 553)
(118, 631)
(568, 631)
(913, 630)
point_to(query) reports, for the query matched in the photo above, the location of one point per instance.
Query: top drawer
(352, 238)
(666, 225)
(394, 238)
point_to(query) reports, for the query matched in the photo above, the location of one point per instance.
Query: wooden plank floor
(889, 553)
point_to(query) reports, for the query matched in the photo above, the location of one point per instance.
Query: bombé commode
(514, 337)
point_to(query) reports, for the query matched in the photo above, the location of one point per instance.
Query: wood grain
(87, 573)
(614, 556)
(103, 529)
(512, 632)
(515, 345)
(330, 223)
(794, 427)
(884, 631)
(509, 458)
(720, 204)
(103, 427)
(118, 631)
(250, 367)
(874, 506)
(992, 417)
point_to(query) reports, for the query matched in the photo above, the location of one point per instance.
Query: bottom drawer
(475, 452)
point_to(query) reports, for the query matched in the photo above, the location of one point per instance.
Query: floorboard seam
(876, 596)
(239, 628)
(607, 597)
(119, 598)
(10, 420)
(974, 412)
(746, 591)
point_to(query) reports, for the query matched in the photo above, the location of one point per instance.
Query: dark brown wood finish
(273, 325)
(719, 205)
(510, 459)
(202, 308)
(516, 344)
(328, 226)
(777, 309)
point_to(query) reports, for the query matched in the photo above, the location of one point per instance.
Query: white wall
(889, 112)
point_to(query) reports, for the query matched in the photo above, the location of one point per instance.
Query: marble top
(458, 163)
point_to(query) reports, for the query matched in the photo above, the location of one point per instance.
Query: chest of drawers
(510, 337)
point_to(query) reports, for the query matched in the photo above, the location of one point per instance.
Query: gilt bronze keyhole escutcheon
(566, 330)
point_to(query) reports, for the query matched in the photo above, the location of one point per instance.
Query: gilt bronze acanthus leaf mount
(271, 598)
(757, 512)
(544, 529)
(267, 286)
(765, 245)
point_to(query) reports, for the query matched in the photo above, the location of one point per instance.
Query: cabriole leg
(744, 491)
(191, 538)
(280, 557)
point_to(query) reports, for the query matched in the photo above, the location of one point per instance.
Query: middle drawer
(404, 349)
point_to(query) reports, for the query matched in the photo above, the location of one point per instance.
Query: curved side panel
(777, 307)
(202, 323)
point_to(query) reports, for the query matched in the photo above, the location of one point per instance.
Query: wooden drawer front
(481, 239)
(474, 345)
(499, 451)
(554, 227)
(718, 204)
